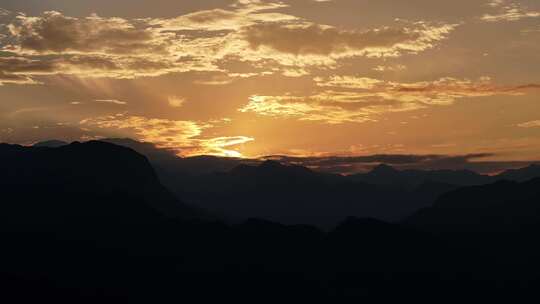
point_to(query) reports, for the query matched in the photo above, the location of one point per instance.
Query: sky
(299, 78)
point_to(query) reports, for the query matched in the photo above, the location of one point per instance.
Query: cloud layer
(353, 164)
(361, 99)
(179, 69)
(253, 32)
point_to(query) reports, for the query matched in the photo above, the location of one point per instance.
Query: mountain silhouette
(496, 222)
(238, 189)
(292, 194)
(520, 175)
(501, 206)
(168, 163)
(387, 175)
(85, 181)
(91, 223)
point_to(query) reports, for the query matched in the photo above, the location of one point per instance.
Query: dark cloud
(319, 40)
(14, 79)
(55, 33)
(392, 159)
(354, 164)
(24, 65)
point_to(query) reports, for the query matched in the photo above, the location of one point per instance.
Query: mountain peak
(271, 164)
(383, 169)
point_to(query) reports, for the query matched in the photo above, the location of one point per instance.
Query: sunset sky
(260, 77)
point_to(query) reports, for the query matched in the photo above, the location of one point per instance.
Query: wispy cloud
(176, 101)
(112, 101)
(530, 124)
(360, 99)
(509, 12)
(353, 164)
(320, 40)
(252, 32)
(184, 137)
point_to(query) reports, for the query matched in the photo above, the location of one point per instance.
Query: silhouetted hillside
(520, 175)
(84, 223)
(172, 166)
(239, 189)
(502, 206)
(408, 179)
(93, 180)
(497, 221)
(296, 195)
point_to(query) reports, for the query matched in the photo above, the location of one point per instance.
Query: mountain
(292, 194)
(242, 189)
(90, 223)
(503, 206)
(238, 189)
(520, 175)
(409, 179)
(169, 163)
(82, 181)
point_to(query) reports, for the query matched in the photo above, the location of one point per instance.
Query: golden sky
(261, 77)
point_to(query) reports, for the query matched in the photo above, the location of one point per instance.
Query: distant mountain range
(238, 189)
(91, 223)
(493, 208)
(168, 163)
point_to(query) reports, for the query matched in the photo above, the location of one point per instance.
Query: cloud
(15, 79)
(363, 163)
(175, 101)
(240, 14)
(252, 32)
(390, 68)
(93, 46)
(54, 33)
(349, 82)
(16, 70)
(391, 159)
(320, 40)
(360, 99)
(184, 137)
(530, 124)
(222, 145)
(112, 101)
(496, 3)
(509, 12)
(303, 108)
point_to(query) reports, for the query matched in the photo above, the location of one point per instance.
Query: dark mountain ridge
(383, 174)
(81, 224)
(386, 175)
(240, 189)
(84, 180)
(501, 206)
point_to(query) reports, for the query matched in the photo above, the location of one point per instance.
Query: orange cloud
(251, 32)
(185, 137)
(358, 99)
(509, 12)
(530, 124)
(314, 39)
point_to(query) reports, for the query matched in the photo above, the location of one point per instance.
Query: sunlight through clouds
(185, 137)
(360, 99)
(276, 70)
(251, 32)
